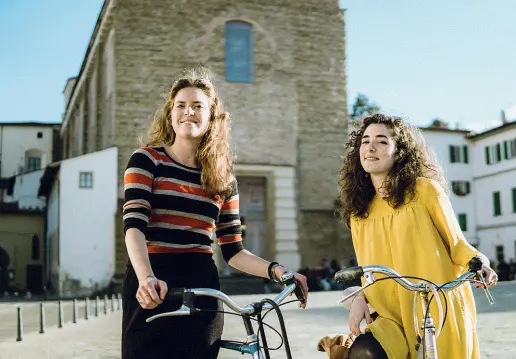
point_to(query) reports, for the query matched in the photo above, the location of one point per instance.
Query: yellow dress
(421, 238)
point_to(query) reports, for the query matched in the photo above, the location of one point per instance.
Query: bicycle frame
(251, 345)
(423, 288)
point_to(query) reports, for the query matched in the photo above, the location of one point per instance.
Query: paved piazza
(99, 336)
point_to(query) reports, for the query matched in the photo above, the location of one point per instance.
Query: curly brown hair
(413, 160)
(213, 155)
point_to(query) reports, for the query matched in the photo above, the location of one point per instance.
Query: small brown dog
(336, 346)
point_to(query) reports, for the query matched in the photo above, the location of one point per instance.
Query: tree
(439, 123)
(363, 107)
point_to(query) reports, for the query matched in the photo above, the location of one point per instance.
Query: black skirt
(186, 337)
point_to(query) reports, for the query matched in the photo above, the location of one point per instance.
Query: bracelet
(361, 295)
(270, 270)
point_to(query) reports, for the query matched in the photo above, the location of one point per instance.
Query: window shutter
(514, 201)
(463, 222)
(452, 154)
(488, 162)
(498, 152)
(465, 150)
(496, 204)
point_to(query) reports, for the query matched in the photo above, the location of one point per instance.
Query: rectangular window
(86, 180)
(497, 206)
(514, 200)
(452, 154)
(33, 163)
(509, 149)
(460, 188)
(458, 154)
(463, 221)
(239, 52)
(493, 153)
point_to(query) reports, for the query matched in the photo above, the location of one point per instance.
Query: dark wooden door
(35, 278)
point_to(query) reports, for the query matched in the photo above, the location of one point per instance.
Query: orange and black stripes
(165, 200)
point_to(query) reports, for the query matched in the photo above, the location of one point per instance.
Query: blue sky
(418, 59)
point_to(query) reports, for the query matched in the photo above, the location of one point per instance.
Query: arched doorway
(4, 270)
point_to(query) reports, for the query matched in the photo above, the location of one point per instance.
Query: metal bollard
(97, 306)
(105, 303)
(60, 314)
(42, 324)
(119, 301)
(19, 336)
(112, 302)
(87, 309)
(74, 313)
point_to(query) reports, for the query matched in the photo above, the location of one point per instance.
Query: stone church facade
(279, 67)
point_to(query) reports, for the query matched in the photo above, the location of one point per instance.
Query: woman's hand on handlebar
(359, 311)
(491, 278)
(151, 292)
(300, 280)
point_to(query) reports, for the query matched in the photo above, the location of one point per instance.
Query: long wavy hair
(213, 155)
(413, 160)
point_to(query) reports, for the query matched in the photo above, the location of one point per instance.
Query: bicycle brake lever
(484, 287)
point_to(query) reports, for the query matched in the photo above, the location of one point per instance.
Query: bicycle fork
(428, 328)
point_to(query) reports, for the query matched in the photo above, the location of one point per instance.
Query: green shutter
(452, 154)
(514, 201)
(506, 150)
(498, 152)
(465, 150)
(463, 222)
(488, 162)
(497, 208)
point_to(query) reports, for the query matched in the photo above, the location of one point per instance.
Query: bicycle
(428, 334)
(252, 344)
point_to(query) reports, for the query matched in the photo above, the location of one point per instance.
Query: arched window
(239, 52)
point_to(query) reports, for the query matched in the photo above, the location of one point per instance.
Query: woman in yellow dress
(393, 199)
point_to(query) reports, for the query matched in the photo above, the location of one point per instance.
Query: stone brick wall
(322, 235)
(294, 113)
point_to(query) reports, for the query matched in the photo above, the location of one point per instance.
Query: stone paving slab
(99, 337)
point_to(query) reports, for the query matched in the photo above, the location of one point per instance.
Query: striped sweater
(165, 201)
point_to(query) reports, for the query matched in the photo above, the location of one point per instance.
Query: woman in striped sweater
(179, 190)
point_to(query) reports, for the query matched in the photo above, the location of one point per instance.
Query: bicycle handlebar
(357, 272)
(189, 295)
(354, 273)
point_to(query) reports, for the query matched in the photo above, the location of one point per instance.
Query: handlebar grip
(299, 294)
(475, 264)
(175, 293)
(288, 278)
(349, 274)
